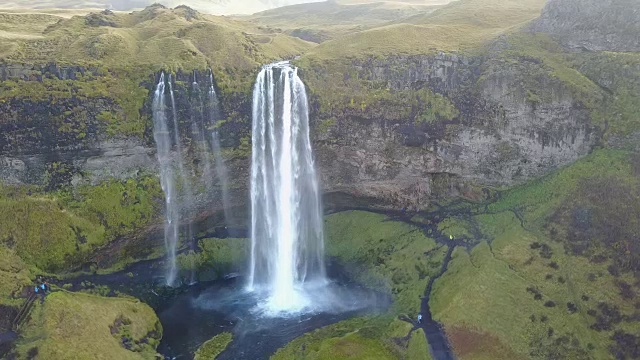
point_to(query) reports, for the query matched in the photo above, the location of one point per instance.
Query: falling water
(199, 129)
(287, 246)
(220, 166)
(162, 137)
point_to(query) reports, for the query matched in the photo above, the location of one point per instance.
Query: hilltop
(154, 38)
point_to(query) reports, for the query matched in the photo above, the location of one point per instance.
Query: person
(39, 289)
(419, 318)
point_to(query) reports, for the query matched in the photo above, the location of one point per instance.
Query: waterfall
(162, 137)
(287, 245)
(199, 129)
(220, 166)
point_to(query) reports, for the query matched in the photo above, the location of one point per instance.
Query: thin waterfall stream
(162, 136)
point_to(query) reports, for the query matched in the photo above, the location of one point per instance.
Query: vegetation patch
(357, 338)
(385, 254)
(74, 325)
(56, 231)
(15, 275)
(213, 347)
(215, 257)
(551, 283)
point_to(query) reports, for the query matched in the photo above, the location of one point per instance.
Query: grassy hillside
(322, 21)
(152, 39)
(556, 279)
(83, 326)
(56, 231)
(460, 25)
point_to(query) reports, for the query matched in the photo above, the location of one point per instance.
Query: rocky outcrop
(593, 25)
(503, 133)
(511, 121)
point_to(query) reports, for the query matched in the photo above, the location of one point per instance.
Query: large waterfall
(287, 245)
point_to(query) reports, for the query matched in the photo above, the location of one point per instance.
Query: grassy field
(83, 326)
(458, 26)
(391, 252)
(533, 291)
(322, 21)
(358, 338)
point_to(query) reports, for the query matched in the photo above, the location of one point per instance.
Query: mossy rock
(213, 347)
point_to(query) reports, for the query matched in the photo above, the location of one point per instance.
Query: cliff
(592, 25)
(389, 130)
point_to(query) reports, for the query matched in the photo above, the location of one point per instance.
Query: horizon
(213, 7)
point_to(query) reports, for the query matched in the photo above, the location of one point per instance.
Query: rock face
(55, 141)
(594, 25)
(502, 135)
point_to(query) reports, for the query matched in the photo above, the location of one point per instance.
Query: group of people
(42, 289)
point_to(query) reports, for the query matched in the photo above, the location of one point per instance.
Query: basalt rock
(592, 25)
(501, 135)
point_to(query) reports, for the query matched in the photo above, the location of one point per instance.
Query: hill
(154, 38)
(318, 22)
(460, 25)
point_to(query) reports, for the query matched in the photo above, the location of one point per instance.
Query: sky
(218, 7)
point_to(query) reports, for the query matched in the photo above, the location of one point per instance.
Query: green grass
(213, 347)
(216, 257)
(323, 21)
(387, 254)
(416, 349)
(57, 231)
(78, 326)
(489, 292)
(15, 274)
(539, 198)
(460, 25)
(158, 38)
(458, 228)
(357, 338)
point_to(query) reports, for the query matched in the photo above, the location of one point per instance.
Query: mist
(217, 7)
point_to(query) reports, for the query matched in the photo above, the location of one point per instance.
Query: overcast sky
(220, 7)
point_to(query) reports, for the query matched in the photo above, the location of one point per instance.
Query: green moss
(216, 257)
(458, 228)
(325, 125)
(82, 326)
(119, 206)
(122, 119)
(390, 255)
(14, 276)
(538, 199)
(55, 232)
(213, 347)
(351, 339)
(436, 107)
(42, 232)
(417, 347)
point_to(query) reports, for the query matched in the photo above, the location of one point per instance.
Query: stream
(193, 314)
